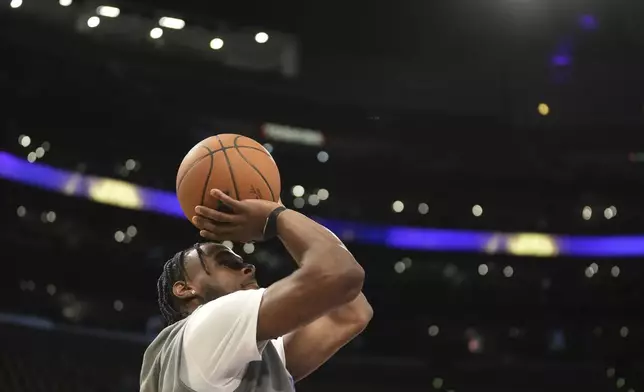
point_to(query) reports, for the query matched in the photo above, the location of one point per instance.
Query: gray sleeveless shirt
(160, 371)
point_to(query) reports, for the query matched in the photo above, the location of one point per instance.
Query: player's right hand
(244, 223)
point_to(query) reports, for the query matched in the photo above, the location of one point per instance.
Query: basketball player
(226, 333)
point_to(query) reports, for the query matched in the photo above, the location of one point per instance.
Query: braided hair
(174, 270)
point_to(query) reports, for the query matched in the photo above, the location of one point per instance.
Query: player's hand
(244, 222)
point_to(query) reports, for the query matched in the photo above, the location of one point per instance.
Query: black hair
(174, 270)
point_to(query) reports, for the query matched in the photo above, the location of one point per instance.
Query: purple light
(588, 22)
(17, 169)
(561, 60)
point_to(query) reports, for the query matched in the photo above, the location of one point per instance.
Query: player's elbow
(349, 278)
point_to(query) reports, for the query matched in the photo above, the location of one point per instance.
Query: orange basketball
(235, 164)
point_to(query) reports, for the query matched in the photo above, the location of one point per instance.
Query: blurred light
(483, 269)
(546, 283)
(614, 210)
(588, 22)
(261, 37)
(433, 330)
(298, 191)
(544, 109)
(15, 3)
(51, 289)
(216, 44)
(609, 213)
(610, 372)
(156, 33)
(398, 206)
(313, 200)
(46, 146)
(557, 340)
(228, 244)
(130, 164)
(298, 202)
(561, 60)
(30, 285)
(437, 383)
(108, 12)
(93, 21)
(597, 331)
(623, 332)
(21, 211)
(249, 248)
(31, 157)
(477, 210)
(406, 261)
(65, 3)
(40, 152)
(615, 271)
(399, 267)
(474, 345)
(423, 208)
(508, 271)
(24, 140)
(323, 194)
(172, 23)
(323, 156)
(587, 213)
(51, 216)
(589, 272)
(268, 147)
(532, 244)
(131, 231)
(118, 305)
(620, 382)
(594, 267)
(450, 270)
(117, 193)
(119, 236)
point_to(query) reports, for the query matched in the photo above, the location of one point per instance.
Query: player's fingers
(215, 215)
(210, 225)
(227, 200)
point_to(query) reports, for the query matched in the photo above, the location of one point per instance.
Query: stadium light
(108, 12)
(172, 23)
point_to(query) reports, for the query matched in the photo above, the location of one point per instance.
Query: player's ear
(182, 290)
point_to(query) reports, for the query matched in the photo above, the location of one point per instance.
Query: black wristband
(270, 228)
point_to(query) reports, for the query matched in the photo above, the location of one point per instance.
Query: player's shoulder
(228, 307)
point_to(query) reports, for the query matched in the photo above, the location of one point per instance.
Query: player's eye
(231, 262)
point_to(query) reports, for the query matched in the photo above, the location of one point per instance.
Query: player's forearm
(314, 246)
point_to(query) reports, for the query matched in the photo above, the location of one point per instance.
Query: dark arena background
(483, 160)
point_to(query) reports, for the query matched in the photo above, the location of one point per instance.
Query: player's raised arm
(329, 275)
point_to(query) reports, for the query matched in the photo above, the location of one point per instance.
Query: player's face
(225, 272)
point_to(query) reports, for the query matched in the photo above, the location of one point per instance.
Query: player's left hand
(244, 223)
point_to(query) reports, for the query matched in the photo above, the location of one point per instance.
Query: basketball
(237, 165)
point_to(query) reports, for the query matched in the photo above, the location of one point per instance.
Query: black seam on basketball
(254, 168)
(193, 164)
(230, 168)
(211, 152)
(205, 185)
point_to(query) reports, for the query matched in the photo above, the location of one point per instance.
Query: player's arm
(308, 347)
(328, 278)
